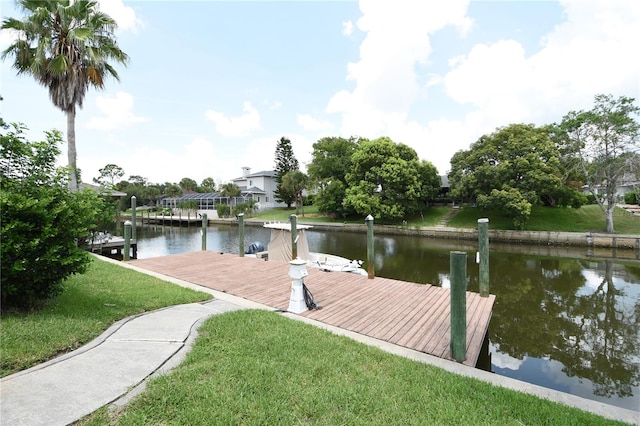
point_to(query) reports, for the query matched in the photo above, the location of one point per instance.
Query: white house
(259, 186)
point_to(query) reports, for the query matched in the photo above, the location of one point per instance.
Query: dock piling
(370, 247)
(458, 297)
(127, 240)
(205, 223)
(133, 216)
(241, 226)
(483, 242)
(294, 236)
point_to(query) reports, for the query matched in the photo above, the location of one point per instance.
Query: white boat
(279, 249)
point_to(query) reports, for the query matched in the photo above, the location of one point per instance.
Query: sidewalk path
(69, 387)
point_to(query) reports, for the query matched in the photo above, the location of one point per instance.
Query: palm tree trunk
(71, 148)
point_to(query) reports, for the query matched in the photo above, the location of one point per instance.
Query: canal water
(562, 319)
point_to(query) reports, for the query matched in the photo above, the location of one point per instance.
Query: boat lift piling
(203, 231)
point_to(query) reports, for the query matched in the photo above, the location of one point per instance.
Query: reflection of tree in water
(541, 313)
(603, 350)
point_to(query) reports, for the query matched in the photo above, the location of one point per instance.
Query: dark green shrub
(632, 197)
(42, 221)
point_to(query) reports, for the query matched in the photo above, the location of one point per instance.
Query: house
(260, 187)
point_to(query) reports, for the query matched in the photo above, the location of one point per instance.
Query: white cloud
(386, 82)
(311, 124)
(117, 110)
(236, 126)
(347, 28)
(125, 16)
(585, 55)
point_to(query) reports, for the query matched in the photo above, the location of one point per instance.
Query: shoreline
(544, 238)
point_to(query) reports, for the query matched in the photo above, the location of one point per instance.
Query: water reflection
(560, 320)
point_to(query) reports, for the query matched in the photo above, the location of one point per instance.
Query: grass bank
(256, 367)
(588, 218)
(90, 303)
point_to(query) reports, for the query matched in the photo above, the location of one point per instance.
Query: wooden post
(205, 223)
(241, 226)
(133, 217)
(458, 296)
(483, 243)
(294, 236)
(127, 240)
(370, 246)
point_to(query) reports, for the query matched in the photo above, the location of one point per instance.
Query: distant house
(260, 187)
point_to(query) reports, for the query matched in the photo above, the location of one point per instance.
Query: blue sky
(213, 85)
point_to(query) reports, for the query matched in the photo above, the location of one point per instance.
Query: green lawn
(588, 218)
(257, 367)
(585, 219)
(90, 303)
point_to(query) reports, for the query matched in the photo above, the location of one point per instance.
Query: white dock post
(297, 271)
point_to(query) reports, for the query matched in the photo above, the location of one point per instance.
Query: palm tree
(230, 190)
(65, 45)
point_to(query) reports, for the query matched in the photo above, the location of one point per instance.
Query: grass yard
(257, 367)
(587, 218)
(90, 303)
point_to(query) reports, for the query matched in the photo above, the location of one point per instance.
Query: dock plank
(413, 315)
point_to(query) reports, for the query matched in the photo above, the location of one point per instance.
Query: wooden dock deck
(415, 316)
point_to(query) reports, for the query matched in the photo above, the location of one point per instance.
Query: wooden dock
(416, 316)
(114, 247)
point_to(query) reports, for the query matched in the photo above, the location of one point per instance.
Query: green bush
(632, 197)
(42, 221)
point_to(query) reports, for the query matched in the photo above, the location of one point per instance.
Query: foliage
(509, 201)
(65, 46)
(600, 144)
(42, 220)
(247, 208)
(513, 168)
(295, 182)
(331, 161)
(188, 184)
(285, 162)
(388, 181)
(208, 185)
(231, 191)
(188, 205)
(632, 197)
(108, 175)
(223, 210)
(173, 191)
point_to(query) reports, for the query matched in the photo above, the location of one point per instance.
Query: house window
(250, 182)
(266, 199)
(258, 198)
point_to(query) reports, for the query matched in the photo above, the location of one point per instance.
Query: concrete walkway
(69, 387)
(113, 368)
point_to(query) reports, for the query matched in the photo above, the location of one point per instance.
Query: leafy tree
(66, 46)
(41, 220)
(512, 169)
(285, 162)
(388, 181)
(600, 144)
(295, 182)
(108, 175)
(232, 191)
(331, 161)
(208, 185)
(188, 184)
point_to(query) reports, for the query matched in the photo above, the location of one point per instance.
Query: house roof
(264, 173)
(103, 191)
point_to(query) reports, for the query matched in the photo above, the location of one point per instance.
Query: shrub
(632, 197)
(41, 220)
